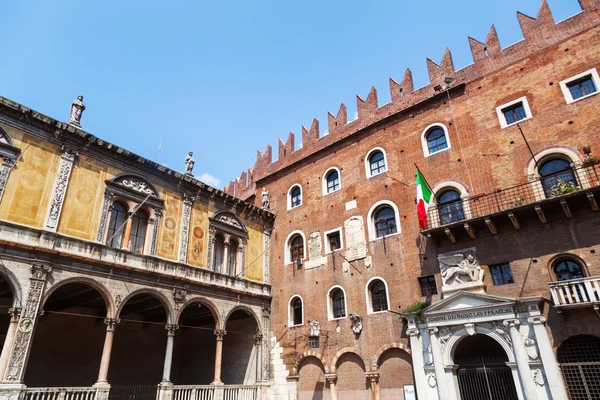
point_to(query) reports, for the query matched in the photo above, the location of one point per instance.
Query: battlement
(539, 33)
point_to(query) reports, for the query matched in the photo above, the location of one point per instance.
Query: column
(553, 375)
(104, 214)
(332, 381)
(60, 188)
(373, 378)
(211, 248)
(522, 359)
(225, 263)
(106, 351)
(188, 201)
(258, 338)
(15, 314)
(418, 363)
(15, 369)
(155, 224)
(171, 328)
(438, 364)
(7, 165)
(266, 313)
(219, 333)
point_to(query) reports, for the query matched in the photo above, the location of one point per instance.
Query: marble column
(418, 363)
(60, 188)
(219, 333)
(155, 225)
(373, 378)
(106, 352)
(522, 359)
(438, 364)
(332, 381)
(266, 360)
(258, 338)
(15, 314)
(171, 328)
(553, 375)
(188, 201)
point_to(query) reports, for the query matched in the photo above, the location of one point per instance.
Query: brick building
(500, 285)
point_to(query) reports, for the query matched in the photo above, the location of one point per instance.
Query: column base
(217, 383)
(165, 384)
(8, 386)
(101, 385)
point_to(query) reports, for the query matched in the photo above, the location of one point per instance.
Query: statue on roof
(77, 109)
(189, 164)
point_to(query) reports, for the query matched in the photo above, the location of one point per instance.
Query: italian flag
(423, 199)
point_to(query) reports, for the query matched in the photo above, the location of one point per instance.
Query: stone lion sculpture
(459, 265)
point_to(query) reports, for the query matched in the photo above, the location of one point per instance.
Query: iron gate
(486, 382)
(133, 392)
(579, 360)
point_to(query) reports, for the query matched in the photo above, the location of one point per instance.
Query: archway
(482, 371)
(395, 371)
(311, 380)
(351, 380)
(195, 346)
(69, 337)
(239, 348)
(579, 359)
(6, 302)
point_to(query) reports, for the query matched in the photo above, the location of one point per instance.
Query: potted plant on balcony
(561, 187)
(589, 160)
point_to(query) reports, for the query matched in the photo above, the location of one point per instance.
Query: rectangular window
(333, 240)
(582, 87)
(313, 342)
(514, 113)
(428, 286)
(501, 274)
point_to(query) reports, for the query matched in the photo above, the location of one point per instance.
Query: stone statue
(356, 324)
(265, 199)
(189, 164)
(315, 328)
(456, 266)
(77, 109)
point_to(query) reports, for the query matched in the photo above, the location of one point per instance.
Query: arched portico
(242, 347)
(10, 302)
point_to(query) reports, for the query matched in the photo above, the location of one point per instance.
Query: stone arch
(343, 351)
(311, 373)
(542, 155)
(205, 302)
(14, 284)
(351, 377)
(229, 218)
(306, 355)
(158, 295)
(137, 183)
(395, 368)
(99, 287)
(247, 309)
(379, 353)
(451, 344)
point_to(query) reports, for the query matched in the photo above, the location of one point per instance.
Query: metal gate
(486, 382)
(579, 360)
(133, 392)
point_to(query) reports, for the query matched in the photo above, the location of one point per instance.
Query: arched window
(337, 303)
(137, 234)
(377, 292)
(436, 140)
(384, 220)
(296, 248)
(218, 253)
(232, 257)
(296, 312)
(450, 207)
(295, 196)
(557, 177)
(332, 179)
(568, 268)
(117, 224)
(376, 163)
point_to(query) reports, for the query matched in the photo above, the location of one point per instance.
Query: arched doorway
(351, 380)
(195, 346)
(68, 339)
(579, 360)
(482, 371)
(395, 371)
(239, 349)
(311, 380)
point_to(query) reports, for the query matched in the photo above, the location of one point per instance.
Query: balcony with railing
(559, 191)
(576, 293)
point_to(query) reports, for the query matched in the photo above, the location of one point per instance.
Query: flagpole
(427, 183)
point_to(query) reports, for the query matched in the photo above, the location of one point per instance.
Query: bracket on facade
(565, 207)
(514, 220)
(491, 226)
(592, 201)
(470, 230)
(450, 235)
(541, 214)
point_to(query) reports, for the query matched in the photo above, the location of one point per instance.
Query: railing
(549, 186)
(207, 392)
(576, 292)
(59, 393)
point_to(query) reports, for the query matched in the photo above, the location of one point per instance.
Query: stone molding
(60, 188)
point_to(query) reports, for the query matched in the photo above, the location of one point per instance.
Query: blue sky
(225, 78)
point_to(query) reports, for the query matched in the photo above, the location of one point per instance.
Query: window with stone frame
(296, 312)
(333, 181)
(296, 248)
(9, 153)
(501, 274)
(378, 294)
(338, 303)
(384, 221)
(130, 213)
(377, 163)
(568, 268)
(295, 196)
(428, 285)
(227, 243)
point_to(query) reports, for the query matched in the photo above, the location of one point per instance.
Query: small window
(377, 162)
(567, 269)
(333, 240)
(313, 342)
(450, 207)
(378, 296)
(333, 181)
(513, 112)
(436, 140)
(137, 235)
(557, 177)
(117, 224)
(428, 286)
(580, 86)
(338, 303)
(219, 253)
(232, 257)
(295, 196)
(501, 274)
(296, 312)
(385, 221)
(296, 248)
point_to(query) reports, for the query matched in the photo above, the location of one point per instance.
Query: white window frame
(287, 253)
(330, 303)
(371, 223)
(426, 152)
(369, 298)
(289, 196)
(324, 180)
(291, 313)
(567, 93)
(368, 162)
(328, 245)
(500, 114)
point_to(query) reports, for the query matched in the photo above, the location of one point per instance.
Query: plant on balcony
(591, 160)
(517, 200)
(561, 187)
(417, 307)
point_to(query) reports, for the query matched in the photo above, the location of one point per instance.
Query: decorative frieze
(188, 201)
(267, 237)
(104, 215)
(156, 223)
(60, 188)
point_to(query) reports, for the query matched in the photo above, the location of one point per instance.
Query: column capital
(171, 328)
(40, 271)
(111, 323)
(258, 338)
(513, 322)
(537, 320)
(413, 332)
(15, 313)
(372, 376)
(433, 331)
(69, 153)
(219, 333)
(9, 161)
(331, 378)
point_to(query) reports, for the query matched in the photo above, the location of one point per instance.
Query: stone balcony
(576, 293)
(539, 198)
